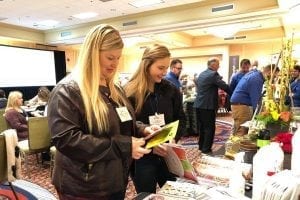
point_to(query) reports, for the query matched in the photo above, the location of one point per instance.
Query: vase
(277, 128)
(250, 149)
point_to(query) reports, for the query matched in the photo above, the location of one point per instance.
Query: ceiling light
(224, 31)
(292, 16)
(143, 3)
(2, 18)
(49, 22)
(132, 41)
(85, 15)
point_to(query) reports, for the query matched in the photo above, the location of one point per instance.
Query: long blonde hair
(140, 83)
(12, 101)
(100, 38)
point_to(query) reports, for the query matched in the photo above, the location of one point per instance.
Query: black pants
(206, 120)
(150, 171)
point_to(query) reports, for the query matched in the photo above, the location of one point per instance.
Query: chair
(17, 185)
(3, 123)
(3, 164)
(52, 159)
(38, 139)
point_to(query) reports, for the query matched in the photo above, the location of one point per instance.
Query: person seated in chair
(41, 98)
(15, 116)
(41, 101)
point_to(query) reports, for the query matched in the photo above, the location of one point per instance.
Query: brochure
(166, 133)
(178, 162)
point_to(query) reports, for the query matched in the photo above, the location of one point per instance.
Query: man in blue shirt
(244, 68)
(174, 73)
(246, 96)
(295, 87)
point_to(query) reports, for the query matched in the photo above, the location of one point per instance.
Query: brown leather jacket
(88, 164)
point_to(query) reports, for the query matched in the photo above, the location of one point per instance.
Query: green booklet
(166, 133)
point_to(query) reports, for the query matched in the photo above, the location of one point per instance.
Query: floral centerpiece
(272, 118)
(273, 114)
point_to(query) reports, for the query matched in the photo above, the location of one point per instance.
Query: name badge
(124, 114)
(157, 119)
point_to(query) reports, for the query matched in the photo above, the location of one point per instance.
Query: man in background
(254, 65)
(244, 68)
(206, 103)
(246, 97)
(174, 73)
(3, 99)
(295, 73)
(294, 93)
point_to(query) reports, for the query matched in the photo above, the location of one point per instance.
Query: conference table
(33, 111)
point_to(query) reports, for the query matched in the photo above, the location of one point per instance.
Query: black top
(166, 99)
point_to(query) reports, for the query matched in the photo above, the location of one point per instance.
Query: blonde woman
(93, 124)
(156, 102)
(15, 116)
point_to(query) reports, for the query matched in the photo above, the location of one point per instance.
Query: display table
(26, 191)
(182, 189)
(186, 191)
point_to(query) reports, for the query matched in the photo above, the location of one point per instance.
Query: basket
(296, 113)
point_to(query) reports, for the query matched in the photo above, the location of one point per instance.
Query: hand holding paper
(149, 130)
(137, 150)
(166, 133)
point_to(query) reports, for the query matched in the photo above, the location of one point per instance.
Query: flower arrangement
(273, 110)
(272, 115)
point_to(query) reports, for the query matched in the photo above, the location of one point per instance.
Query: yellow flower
(275, 115)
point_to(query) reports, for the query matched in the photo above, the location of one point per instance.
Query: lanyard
(154, 102)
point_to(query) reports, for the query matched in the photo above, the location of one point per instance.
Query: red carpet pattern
(40, 174)
(223, 130)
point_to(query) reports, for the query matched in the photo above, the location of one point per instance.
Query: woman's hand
(151, 129)
(160, 150)
(138, 150)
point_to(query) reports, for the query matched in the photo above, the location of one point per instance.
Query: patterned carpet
(223, 129)
(40, 174)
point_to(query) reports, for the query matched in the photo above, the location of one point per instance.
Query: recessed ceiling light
(49, 22)
(224, 31)
(143, 3)
(85, 15)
